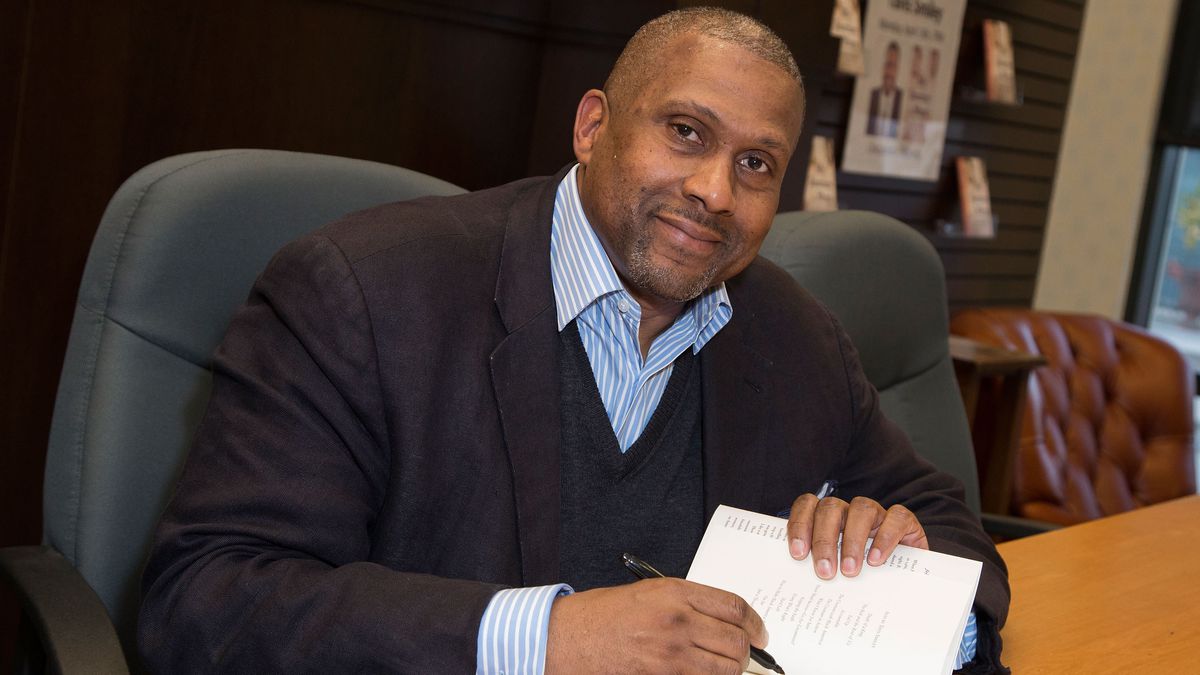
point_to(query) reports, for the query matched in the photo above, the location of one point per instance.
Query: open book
(904, 617)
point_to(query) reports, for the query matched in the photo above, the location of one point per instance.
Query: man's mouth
(689, 234)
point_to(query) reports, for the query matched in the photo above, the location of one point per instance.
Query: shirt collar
(582, 273)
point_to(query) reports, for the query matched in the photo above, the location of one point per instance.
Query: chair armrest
(1014, 527)
(76, 633)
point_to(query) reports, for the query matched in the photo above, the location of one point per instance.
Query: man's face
(681, 182)
(891, 63)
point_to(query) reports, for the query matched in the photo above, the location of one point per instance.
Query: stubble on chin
(665, 280)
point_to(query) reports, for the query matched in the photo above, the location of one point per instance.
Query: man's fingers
(829, 519)
(816, 526)
(899, 526)
(702, 661)
(730, 609)
(800, 524)
(652, 626)
(862, 517)
(723, 640)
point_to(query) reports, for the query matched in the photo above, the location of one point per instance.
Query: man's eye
(685, 131)
(756, 164)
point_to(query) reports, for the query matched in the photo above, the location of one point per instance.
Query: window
(1165, 290)
(1175, 308)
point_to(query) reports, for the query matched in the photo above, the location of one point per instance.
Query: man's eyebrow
(700, 108)
(772, 142)
(705, 111)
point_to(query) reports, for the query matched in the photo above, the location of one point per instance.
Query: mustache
(707, 220)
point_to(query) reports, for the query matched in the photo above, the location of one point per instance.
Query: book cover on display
(998, 62)
(974, 198)
(820, 184)
(847, 25)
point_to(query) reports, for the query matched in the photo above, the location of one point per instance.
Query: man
(430, 414)
(883, 116)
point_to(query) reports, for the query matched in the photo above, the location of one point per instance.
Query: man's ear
(590, 117)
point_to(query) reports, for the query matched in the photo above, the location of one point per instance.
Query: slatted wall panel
(1019, 143)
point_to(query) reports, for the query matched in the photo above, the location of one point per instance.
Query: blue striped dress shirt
(587, 289)
(514, 630)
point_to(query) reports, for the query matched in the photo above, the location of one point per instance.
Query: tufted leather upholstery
(1107, 425)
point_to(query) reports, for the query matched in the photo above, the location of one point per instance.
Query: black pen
(644, 570)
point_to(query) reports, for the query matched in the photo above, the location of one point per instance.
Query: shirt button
(622, 306)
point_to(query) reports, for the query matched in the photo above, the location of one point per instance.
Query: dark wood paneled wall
(474, 91)
(1019, 143)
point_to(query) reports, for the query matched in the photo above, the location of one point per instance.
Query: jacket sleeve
(259, 563)
(882, 464)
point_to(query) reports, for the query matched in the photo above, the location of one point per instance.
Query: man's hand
(652, 626)
(815, 524)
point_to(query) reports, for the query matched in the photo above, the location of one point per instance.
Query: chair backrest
(886, 285)
(176, 252)
(1107, 422)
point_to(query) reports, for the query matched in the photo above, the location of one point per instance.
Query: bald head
(682, 156)
(641, 58)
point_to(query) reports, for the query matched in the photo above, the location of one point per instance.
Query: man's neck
(656, 318)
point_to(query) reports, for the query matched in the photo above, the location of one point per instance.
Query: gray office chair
(886, 284)
(175, 254)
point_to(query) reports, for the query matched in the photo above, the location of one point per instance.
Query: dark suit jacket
(380, 453)
(876, 117)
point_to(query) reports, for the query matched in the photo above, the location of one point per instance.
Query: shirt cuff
(516, 624)
(515, 629)
(966, 648)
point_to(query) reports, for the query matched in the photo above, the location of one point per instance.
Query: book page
(904, 617)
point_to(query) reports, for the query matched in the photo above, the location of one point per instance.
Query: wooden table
(1116, 595)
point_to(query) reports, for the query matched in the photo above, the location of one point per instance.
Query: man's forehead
(693, 71)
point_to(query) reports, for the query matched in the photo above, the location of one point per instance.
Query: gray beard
(664, 282)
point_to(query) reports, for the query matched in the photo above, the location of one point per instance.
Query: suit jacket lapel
(525, 377)
(736, 388)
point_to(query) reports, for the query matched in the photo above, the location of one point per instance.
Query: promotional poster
(897, 123)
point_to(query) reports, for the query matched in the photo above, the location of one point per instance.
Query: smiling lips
(689, 234)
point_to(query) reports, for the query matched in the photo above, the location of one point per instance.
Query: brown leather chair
(1107, 425)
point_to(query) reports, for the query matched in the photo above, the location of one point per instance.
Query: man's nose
(713, 183)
